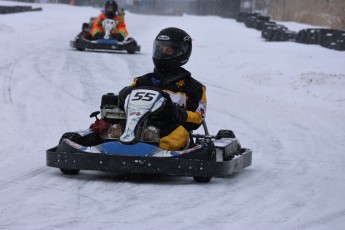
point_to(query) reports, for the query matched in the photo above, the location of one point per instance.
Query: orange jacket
(120, 25)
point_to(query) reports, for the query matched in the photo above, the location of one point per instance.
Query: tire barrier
(328, 38)
(256, 21)
(242, 16)
(271, 31)
(17, 9)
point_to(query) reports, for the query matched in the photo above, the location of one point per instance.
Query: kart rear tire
(69, 171)
(81, 49)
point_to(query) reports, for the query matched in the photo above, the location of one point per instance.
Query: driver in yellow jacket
(172, 49)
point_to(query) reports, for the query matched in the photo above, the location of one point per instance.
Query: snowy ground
(285, 101)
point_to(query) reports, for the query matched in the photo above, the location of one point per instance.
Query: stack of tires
(328, 38)
(242, 16)
(277, 32)
(17, 9)
(260, 21)
(249, 22)
(339, 41)
(256, 21)
(270, 30)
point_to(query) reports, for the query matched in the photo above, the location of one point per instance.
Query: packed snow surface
(283, 100)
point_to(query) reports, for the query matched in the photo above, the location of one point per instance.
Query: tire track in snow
(23, 180)
(26, 176)
(85, 76)
(322, 221)
(72, 69)
(62, 75)
(7, 83)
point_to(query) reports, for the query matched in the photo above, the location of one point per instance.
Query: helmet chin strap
(110, 15)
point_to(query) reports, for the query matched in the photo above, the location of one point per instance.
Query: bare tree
(318, 12)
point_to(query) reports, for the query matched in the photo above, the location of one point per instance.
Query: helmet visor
(109, 9)
(166, 49)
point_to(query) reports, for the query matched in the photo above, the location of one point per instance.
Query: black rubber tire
(74, 137)
(69, 171)
(201, 179)
(206, 179)
(131, 51)
(71, 136)
(225, 133)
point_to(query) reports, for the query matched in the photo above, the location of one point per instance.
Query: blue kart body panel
(120, 149)
(107, 41)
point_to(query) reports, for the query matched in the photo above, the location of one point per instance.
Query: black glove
(178, 114)
(119, 37)
(171, 114)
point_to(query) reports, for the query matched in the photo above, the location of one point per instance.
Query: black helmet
(110, 8)
(171, 49)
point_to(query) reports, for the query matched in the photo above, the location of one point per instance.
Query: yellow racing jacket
(183, 90)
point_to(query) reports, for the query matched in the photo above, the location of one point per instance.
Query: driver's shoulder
(145, 76)
(144, 79)
(192, 83)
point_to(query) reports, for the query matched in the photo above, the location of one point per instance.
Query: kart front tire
(201, 179)
(206, 179)
(69, 171)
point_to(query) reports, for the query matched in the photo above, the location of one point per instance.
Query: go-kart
(84, 41)
(204, 157)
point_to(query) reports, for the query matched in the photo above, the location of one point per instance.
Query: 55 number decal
(145, 96)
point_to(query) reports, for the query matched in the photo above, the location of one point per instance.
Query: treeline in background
(327, 13)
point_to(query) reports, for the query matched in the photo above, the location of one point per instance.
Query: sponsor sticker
(202, 108)
(163, 37)
(187, 38)
(135, 114)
